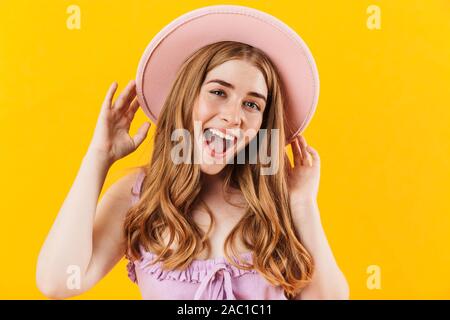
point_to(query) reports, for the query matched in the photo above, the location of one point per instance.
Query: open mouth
(217, 142)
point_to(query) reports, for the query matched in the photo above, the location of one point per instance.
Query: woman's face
(227, 113)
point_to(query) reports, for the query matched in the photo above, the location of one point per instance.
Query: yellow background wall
(381, 127)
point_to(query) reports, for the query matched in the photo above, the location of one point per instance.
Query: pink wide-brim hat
(186, 34)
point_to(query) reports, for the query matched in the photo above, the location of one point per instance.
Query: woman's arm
(86, 239)
(328, 282)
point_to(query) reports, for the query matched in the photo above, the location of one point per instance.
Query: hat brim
(186, 34)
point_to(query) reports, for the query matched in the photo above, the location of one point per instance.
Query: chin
(211, 169)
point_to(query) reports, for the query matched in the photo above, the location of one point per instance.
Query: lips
(218, 142)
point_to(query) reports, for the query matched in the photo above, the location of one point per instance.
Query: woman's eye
(251, 106)
(254, 106)
(214, 92)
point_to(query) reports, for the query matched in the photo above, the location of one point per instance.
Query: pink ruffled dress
(211, 279)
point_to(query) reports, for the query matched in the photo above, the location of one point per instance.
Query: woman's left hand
(303, 178)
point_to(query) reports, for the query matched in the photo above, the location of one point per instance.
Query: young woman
(217, 229)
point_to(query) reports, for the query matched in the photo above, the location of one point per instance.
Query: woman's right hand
(111, 139)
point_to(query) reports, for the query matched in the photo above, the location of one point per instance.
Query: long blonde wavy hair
(170, 191)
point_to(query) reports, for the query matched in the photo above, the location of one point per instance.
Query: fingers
(109, 96)
(296, 151)
(134, 106)
(141, 134)
(314, 154)
(303, 153)
(306, 156)
(125, 97)
(129, 114)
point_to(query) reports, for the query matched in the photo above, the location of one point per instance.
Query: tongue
(218, 144)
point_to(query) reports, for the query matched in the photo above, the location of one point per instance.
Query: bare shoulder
(117, 199)
(109, 243)
(121, 189)
(112, 210)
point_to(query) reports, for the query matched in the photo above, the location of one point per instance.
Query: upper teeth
(221, 134)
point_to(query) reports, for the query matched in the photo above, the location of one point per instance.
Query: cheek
(203, 111)
(252, 125)
(254, 122)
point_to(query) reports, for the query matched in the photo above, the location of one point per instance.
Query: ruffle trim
(131, 271)
(194, 273)
(136, 189)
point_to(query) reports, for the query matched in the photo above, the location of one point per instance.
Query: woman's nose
(232, 114)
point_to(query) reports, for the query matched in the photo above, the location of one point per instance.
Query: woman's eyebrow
(229, 85)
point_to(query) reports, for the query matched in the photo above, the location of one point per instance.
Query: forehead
(241, 74)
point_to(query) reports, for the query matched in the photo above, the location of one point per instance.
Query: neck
(213, 183)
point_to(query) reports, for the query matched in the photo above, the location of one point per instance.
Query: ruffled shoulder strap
(131, 267)
(136, 192)
(136, 189)
(131, 271)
